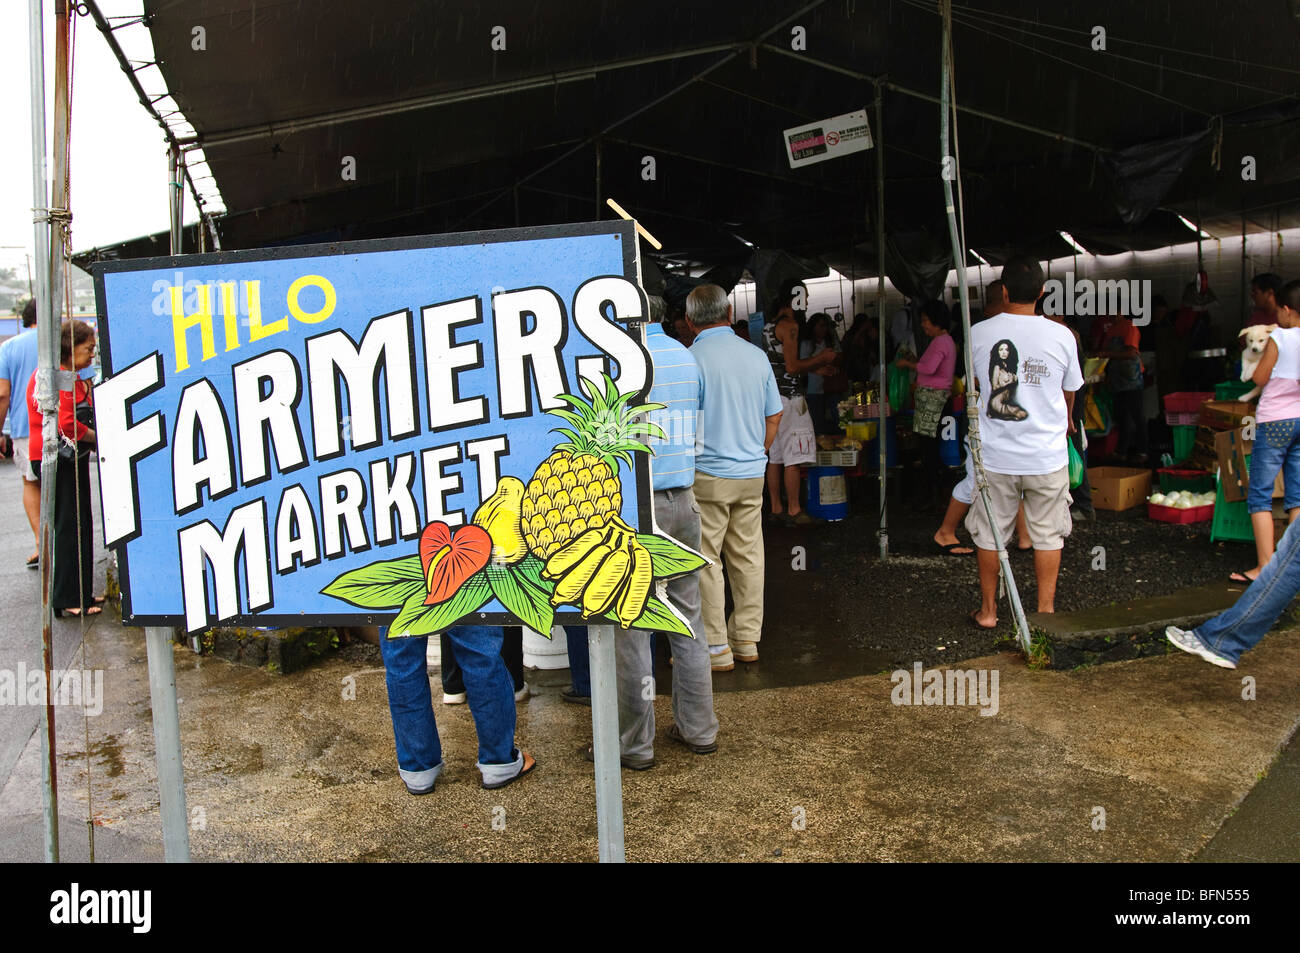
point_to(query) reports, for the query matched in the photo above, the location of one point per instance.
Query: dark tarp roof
(1178, 85)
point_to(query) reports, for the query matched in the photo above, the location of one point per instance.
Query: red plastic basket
(1172, 514)
(1188, 419)
(1186, 402)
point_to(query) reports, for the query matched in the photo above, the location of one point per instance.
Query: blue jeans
(1241, 627)
(489, 690)
(579, 662)
(1277, 447)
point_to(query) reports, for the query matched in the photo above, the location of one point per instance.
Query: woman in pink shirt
(1277, 429)
(933, 384)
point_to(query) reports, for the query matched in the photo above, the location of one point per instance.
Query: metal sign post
(167, 745)
(604, 729)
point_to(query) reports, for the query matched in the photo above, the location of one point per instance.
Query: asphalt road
(20, 616)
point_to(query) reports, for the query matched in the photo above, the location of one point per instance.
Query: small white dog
(1256, 340)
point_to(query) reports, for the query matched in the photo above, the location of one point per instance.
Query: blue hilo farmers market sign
(419, 431)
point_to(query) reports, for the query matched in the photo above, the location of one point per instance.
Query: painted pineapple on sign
(555, 541)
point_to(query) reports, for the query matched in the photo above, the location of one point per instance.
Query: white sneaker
(522, 694)
(1191, 643)
(457, 699)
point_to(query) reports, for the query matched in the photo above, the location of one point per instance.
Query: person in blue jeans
(1224, 639)
(1277, 429)
(491, 696)
(579, 693)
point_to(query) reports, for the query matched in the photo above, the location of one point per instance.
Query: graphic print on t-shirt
(1024, 365)
(1004, 365)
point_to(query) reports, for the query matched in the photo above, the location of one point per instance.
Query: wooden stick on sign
(644, 234)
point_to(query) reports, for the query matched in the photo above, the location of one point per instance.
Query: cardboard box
(1225, 414)
(1230, 453)
(1119, 488)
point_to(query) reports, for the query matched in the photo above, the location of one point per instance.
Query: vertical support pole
(174, 196)
(959, 256)
(882, 435)
(1245, 288)
(47, 337)
(600, 158)
(604, 731)
(167, 745)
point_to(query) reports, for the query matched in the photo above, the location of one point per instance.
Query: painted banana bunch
(603, 569)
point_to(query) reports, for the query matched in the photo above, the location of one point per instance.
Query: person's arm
(930, 361)
(69, 426)
(1070, 429)
(1263, 370)
(5, 387)
(773, 423)
(789, 338)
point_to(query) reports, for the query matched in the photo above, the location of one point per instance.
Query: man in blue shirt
(740, 411)
(672, 473)
(17, 364)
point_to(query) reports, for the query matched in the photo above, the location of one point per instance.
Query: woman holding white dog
(1277, 428)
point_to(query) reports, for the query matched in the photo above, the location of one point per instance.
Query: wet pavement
(834, 609)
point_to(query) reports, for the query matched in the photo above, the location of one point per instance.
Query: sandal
(529, 764)
(951, 549)
(978, 624)
(1240, 578)
(34, 562)
(76, 613)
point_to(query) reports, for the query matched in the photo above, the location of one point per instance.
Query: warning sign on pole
(827, 139)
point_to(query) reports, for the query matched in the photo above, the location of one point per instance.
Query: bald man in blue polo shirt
(740, 411)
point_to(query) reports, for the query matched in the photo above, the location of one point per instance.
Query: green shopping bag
(900, 386)
(1076, 465)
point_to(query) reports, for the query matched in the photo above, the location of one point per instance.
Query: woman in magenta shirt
(933, 384)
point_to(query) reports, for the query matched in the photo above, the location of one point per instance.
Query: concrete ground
(288, 769)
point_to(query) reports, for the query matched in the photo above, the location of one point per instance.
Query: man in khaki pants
(740, 410)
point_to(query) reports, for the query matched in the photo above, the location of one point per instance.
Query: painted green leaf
(418, 619)
(657, 617)
(668, 558)
(382, 585)
(522, 591)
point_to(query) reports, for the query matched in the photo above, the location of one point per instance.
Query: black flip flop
(1240, 578)
(975, 622)
(948, 549)
(526, 769)
(34, 562)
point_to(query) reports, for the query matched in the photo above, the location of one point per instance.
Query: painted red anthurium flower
(449, 558)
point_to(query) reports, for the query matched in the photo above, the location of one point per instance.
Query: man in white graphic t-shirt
(1027, 371)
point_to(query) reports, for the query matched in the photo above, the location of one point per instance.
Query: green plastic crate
(1184, 441)
(1231, 390)
(1231, 520)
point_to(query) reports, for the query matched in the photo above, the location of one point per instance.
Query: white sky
(119, 156)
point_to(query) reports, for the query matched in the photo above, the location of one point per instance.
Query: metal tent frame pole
(882, 436)
(47, 345)
(959, 264)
